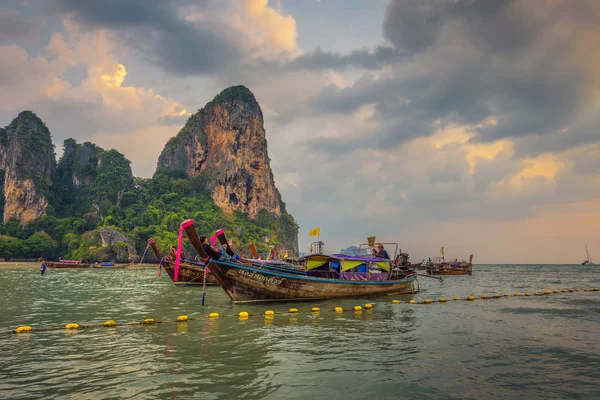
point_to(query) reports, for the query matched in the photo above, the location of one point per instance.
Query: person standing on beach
(43, 267)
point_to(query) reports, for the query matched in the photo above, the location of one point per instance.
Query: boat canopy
(346, 262)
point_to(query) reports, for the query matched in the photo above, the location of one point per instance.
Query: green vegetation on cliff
(148, 208)
(88, 180)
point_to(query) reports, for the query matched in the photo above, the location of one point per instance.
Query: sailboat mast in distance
(588, 259)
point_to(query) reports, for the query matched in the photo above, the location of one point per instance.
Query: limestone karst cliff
(226, 141)
(89, 179)
(89, 206)
(27, 162)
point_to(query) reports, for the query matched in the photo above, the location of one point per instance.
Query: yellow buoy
(536, 293)
(428, 301)
(149, 321)
(413, 302)
(395, 301)
(110, 323)
(23, 329)
(484, 297)
(315, 309)
(293, 310)
(471, 298)
(571, 290)
(506, 294)
(182, 318)
(368, 305)
(564, 291)
(213, 315)
(595, 289)
(556, 291)
(338, 309)
(527, 294)
(457, 298)
(547, 292)
(586, 290)
(243, 314)
(442, 299)
(578, 290)
(496, 296)
(269, 312)
(357, 308)
(517, 294)
(72, 326)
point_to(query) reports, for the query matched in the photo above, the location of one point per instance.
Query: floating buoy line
(270, 314)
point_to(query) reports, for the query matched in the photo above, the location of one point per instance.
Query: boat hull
(52, 264)
(244, 283)
(189, 275)
(450, 271)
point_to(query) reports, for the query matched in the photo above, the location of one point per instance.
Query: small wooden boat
(448, 269)
(453, 267)
(326, 277)
(110, 265)
(66, 264)
(190, 272)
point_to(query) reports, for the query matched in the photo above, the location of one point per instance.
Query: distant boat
(588, 259)
(66, 264)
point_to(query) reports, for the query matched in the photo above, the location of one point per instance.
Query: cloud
(101, 107)
(14, 27)
(25, 79)
(190, 37)
(532, 70)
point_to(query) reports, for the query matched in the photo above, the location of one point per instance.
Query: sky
(468, 124)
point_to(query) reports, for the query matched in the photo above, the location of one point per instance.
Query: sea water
(545, 346)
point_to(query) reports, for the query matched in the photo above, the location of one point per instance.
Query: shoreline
(35, 264)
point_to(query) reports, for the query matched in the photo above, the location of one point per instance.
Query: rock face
(89, 178)
(118, 242)
(27, 162)
(225, 141)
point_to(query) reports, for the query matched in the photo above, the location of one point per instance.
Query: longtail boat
(326, 277)
(110, 265)
(66, 264)
(453, 267)
(190, 272)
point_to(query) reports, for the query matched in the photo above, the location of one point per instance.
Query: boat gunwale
(313, 279)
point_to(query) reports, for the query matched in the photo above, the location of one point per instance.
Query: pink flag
(213, 240)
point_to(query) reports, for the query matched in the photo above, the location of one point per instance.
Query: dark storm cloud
(525, 63)
(363, 58)
(156, 29)
(14, 27)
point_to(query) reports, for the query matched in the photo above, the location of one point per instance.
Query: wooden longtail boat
(66, 264)
(244, 281)
(190, 273)
(449, 270)
(453, 267)
(110, 265)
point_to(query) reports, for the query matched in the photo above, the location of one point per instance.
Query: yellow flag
(442, 250)
(371, 241)
(314, 232)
